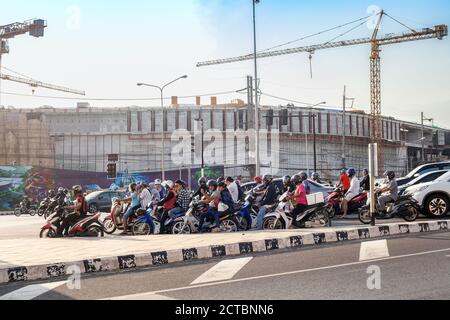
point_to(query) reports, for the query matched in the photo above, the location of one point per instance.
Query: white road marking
(224, 270)
(144, 297)
(373, 250)
(33, 291)
(136, 296)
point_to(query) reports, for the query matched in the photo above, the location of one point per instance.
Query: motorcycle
(89, 226)
(25, 207)
(405, 207)
(43, 207)
(282, 217)
(111, 223)
(248, 207)
(334, 200)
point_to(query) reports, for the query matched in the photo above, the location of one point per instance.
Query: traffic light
(270, 118)
(112, 171)
(284, 117)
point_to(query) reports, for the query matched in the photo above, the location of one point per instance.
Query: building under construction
(82, 138)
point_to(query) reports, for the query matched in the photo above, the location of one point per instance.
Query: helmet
(212, 183)
(158, 182)
(286, 179)
(303, 176)
(76, 189)
(51, 193)
(315, 176)
(169, 184)
(258, 179)
(202, 181)
(61, 189)
(267, 178)
(222, 185)
(390, 174)
(65, 191)
(351, 172)
(296, 179)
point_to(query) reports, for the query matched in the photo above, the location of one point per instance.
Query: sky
(106, 47)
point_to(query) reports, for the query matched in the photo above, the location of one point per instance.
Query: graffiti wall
(19, 181)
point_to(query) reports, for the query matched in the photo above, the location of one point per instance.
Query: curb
(6, 213)
(130, 262)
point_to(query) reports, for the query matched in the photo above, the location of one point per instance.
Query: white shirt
(354, 187)
(234, 191)
(146, 198)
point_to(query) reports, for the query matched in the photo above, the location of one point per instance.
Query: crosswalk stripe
(31, 292)
(373, 250)
(224, 270)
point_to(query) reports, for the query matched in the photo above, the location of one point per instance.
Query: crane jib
(438, 32)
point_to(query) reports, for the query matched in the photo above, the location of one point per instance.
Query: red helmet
(258, 179)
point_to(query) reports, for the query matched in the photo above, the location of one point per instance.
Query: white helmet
(169, 184)
(158, 182)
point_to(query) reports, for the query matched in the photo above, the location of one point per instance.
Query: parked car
(101, 200)
(315, 187)
(421, 170)
(427, 177)
(433, 197)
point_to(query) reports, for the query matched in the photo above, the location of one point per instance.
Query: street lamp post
(423, 134)
(161, 89)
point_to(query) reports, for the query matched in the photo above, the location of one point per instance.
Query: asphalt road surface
(411, 267)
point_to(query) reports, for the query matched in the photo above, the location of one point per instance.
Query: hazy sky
(106, 47)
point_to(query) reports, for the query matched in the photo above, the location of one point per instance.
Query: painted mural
(19, 181)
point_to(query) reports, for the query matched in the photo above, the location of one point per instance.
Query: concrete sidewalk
(33, 259)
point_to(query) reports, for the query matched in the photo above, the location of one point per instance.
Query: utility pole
(343, 127)
(258, 168)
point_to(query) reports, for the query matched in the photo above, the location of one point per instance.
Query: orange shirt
(345, 182)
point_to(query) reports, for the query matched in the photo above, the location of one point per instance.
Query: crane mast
(438, 32)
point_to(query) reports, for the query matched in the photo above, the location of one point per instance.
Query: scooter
(405, 207)
(49, 230)
(334, 200)
(111, 223)
(282, 217)
(189, 223)
(249, 207)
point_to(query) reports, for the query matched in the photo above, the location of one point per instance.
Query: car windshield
(93, 195)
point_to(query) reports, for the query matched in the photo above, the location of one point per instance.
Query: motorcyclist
(269, 198)
(258, 180)
(80, 209)
(202, 188)
(225, 198)
(389, 191)
(135, 205)
(154, 193)
(344, 181)
(302, 189)
(365, 181)
(51, 194)
(183, 200)
(168, 203)
(288, 185)
(233, 188)
(213, 199)
(316, 177)
(352, 192)
(160, 188)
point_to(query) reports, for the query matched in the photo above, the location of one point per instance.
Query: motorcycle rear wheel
(17, 212)
(412, 216)
(273, 224)
(32, 212)
(141, 229)
(180, 227)
(230, 225)
(96, 230)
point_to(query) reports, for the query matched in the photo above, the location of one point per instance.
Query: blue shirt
(135, 200)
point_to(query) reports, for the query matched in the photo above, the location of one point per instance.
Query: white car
(433, 197)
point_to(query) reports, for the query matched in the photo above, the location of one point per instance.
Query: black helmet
(51, 193)
(303, 176)
(212, 183)
(267, 178)
(390, 174)
(296, 179)
(286, 179)
(315, 176)
(202, 181)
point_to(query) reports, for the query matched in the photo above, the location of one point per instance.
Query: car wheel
(93, 208)
(437, 206)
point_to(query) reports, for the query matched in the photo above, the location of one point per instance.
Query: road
(26, 227)
(412, 267)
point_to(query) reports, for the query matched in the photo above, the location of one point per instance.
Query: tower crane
(438, 32)
(34, 28)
